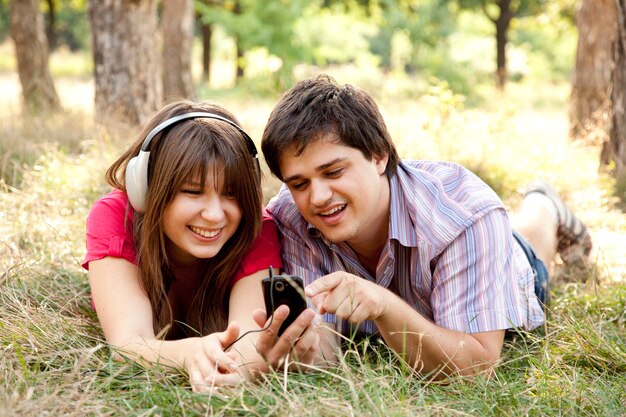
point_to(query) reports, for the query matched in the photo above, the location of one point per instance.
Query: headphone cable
(271, 273)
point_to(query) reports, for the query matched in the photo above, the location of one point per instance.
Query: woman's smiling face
(199, 221)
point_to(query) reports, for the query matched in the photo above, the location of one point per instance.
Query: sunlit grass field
(53, 357)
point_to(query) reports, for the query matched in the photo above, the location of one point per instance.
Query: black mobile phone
(284, 289)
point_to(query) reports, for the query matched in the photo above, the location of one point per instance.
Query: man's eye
(335, 173)
(298, 186)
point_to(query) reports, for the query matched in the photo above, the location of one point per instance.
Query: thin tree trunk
(177, 41)
(502, 27)
(31, 47)
(614, 151)
(127, 62)
(207, 34)
(51, 25)
(591, 79)
(239, 55)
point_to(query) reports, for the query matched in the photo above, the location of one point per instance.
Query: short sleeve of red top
(109, 233)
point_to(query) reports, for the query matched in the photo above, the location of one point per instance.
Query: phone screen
(284, 289)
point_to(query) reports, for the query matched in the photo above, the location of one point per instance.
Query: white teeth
(335, 210)
(204, 233)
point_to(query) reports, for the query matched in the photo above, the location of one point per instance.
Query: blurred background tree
(501, 13)
(591, 79)
(127, 62)
(412, 45)
(177, 24)
(31, 50)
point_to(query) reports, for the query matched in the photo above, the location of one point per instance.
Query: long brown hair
(187, 149)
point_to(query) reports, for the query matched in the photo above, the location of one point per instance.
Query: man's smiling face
(338, 190)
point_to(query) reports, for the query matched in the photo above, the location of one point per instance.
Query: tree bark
(177, 24)
(207, 34)
(614, 150)
(127, 62)
(502, 27)
(591, 80)
(51, 25)
(239, 53)
(31, 47)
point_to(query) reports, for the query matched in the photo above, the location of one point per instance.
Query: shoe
(573, 238)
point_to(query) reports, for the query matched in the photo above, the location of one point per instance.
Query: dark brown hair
(185, 150)
(317, 107)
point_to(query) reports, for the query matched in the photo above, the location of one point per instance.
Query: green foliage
(425, 23)
(5, 20)
(317, 31)
(549, 41)
(268, 24)
(518, 7)
(71, 27)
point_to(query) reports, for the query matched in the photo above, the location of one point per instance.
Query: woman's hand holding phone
(287, 321)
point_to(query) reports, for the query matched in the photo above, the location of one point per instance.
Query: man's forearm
(431, 348)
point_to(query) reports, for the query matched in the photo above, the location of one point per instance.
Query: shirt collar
(402, 216)
(401, 219)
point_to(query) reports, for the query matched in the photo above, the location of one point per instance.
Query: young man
(421, 252)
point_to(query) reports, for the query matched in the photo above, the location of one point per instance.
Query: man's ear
(381, 163)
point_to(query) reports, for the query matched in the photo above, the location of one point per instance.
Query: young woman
(176, 251)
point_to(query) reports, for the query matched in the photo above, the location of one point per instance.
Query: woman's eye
(190, 191)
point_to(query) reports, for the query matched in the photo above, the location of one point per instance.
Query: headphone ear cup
(137, 181)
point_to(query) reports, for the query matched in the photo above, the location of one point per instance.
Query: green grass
(54, 360)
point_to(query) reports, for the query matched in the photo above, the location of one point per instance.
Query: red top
(108, 234)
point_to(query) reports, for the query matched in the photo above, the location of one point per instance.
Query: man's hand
(300, 339)
(349, 297)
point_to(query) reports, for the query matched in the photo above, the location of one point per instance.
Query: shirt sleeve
(109, 230)
(473, 279)
(300, 259)
(264, 252)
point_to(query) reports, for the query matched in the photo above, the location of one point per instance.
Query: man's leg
(536, 220)
(550, 226)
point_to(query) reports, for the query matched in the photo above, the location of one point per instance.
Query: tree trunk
(239, 54)
(51, 25)
(177, 23)
(240, 61)
(502, 27)
(127, 62)
(614, 150)
(591, 80)
(31, 47)
(207, 34)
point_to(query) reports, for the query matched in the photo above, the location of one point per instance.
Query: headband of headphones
(137, 168)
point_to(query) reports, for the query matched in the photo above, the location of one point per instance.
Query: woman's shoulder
(115, 201)
(110, 212)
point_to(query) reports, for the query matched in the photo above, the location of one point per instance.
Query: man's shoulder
(284, 211)
(449, 180)
(440, 200)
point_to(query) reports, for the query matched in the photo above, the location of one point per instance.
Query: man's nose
(321, 193)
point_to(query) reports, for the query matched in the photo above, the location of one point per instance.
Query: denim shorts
(539, 270)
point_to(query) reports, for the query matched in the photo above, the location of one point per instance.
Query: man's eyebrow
(319, 168)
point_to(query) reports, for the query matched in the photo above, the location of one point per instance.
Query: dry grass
(54, 362)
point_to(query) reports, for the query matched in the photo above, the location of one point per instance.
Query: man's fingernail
(309, 291)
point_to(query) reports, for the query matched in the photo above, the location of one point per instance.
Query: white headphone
(137, 168)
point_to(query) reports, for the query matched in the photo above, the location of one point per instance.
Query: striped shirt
(450, 253)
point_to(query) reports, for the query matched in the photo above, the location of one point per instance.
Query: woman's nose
(212, 209)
